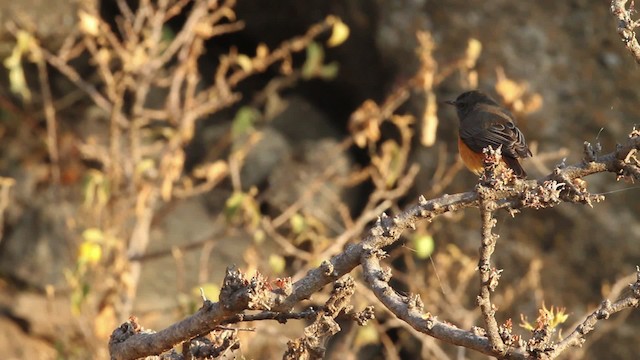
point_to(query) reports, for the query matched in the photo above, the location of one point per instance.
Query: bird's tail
(514, 165)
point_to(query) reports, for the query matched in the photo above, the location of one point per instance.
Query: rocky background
(567, 54)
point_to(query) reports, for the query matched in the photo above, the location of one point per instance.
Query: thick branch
(127, 343)
(544, 192)
(410, 310)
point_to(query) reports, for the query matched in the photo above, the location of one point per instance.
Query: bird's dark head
(468, 100)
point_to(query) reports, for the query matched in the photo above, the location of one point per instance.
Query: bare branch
(130, 341)
(603, 312)
(239, 294)
(410, 309)
(312, 344)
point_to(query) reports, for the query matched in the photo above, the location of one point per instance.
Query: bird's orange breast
(472, 160)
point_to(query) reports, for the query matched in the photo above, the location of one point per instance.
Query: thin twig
(5, 186)
(271, 315)
(50, 116)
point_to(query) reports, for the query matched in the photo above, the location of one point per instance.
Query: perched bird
(484, 123)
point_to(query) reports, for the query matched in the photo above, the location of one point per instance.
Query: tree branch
(410, 309)
(488, 276)
(239, 294)
(603, 312)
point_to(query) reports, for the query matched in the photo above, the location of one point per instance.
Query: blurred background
(105, 216)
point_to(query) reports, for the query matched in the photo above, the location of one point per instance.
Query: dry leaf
(339, 33)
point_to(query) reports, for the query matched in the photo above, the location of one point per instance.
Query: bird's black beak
(450, 102)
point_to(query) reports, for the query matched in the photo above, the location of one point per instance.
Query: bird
(483, 123)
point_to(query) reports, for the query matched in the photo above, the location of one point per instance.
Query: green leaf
(167, 34)
(329, 71)
(243, 121)
(233, 205)
(313, 65)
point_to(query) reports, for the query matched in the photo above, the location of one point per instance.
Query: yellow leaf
(89, 252)
(145, 165)
(93, 235)
(245, 62)
(259, 236)
(89, 23)
(429, 121)
(212, 172)
(298, 223)
(525, 324)
(474, 49)
(211, 291)
(277, 263)
(339, 33)
(13, 63)
(424, 246)
(366, 335)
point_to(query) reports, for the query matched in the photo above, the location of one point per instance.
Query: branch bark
(488, 276)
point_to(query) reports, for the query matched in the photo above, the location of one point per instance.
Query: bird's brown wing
(493, 127)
